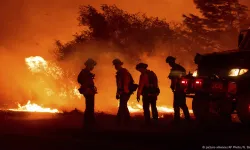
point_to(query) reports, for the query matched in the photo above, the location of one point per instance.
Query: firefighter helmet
(90, 61)
(170, 59)
(117, 62)
(141, 65)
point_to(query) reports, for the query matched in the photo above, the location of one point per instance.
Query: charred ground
(63, 131)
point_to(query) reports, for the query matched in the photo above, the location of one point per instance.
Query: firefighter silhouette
(125, 87)
(176, 72)
(148, 88)
(88, 90)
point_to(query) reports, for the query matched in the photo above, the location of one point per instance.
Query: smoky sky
(35, 24)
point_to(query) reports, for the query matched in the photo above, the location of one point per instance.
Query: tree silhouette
(131, 33)
(95, 21)
(219, 24)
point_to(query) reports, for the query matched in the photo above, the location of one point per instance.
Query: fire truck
(221, 84)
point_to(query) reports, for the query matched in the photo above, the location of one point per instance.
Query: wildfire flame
(134, 108)
(34, 108)
(38, 65)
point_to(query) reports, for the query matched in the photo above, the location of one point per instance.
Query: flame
(68, 89)
(37, 64)
(29, 107)
(134, 108)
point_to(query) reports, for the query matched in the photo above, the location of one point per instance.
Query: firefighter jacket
(86, 79)
(175, 74)
(123, 80)
(148, 84)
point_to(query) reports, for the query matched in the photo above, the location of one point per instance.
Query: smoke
(29, 28)
(105, 73)
(29, 23)
(19, 84)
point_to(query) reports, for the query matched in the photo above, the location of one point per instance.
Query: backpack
(132, 86)
(153, 84)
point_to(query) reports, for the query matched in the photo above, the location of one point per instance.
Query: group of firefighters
(147, 88)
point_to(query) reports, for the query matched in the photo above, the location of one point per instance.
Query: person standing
(176, 72)
(88, 90)
(125, 83)
(149, 89)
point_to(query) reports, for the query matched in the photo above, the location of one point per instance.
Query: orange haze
(29, 28)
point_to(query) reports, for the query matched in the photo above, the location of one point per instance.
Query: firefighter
(148, 88)
(176, 72)
(88, 90)
(123, 81)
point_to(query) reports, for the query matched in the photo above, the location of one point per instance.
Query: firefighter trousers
(180, 102)
(89, 114)
(147, 102)
(123, 114)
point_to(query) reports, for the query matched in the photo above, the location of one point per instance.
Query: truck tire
(201, 110)
(200, 106)
(243, 108)
(226, 110)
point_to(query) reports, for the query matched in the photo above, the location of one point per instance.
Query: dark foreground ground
(46, 131)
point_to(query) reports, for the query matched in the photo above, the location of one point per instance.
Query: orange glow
(48, 72)
(133, 108)
(33, 33)
(29, 107)
(50, 80)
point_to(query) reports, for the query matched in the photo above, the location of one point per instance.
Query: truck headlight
(195, 73)
(237, 72)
